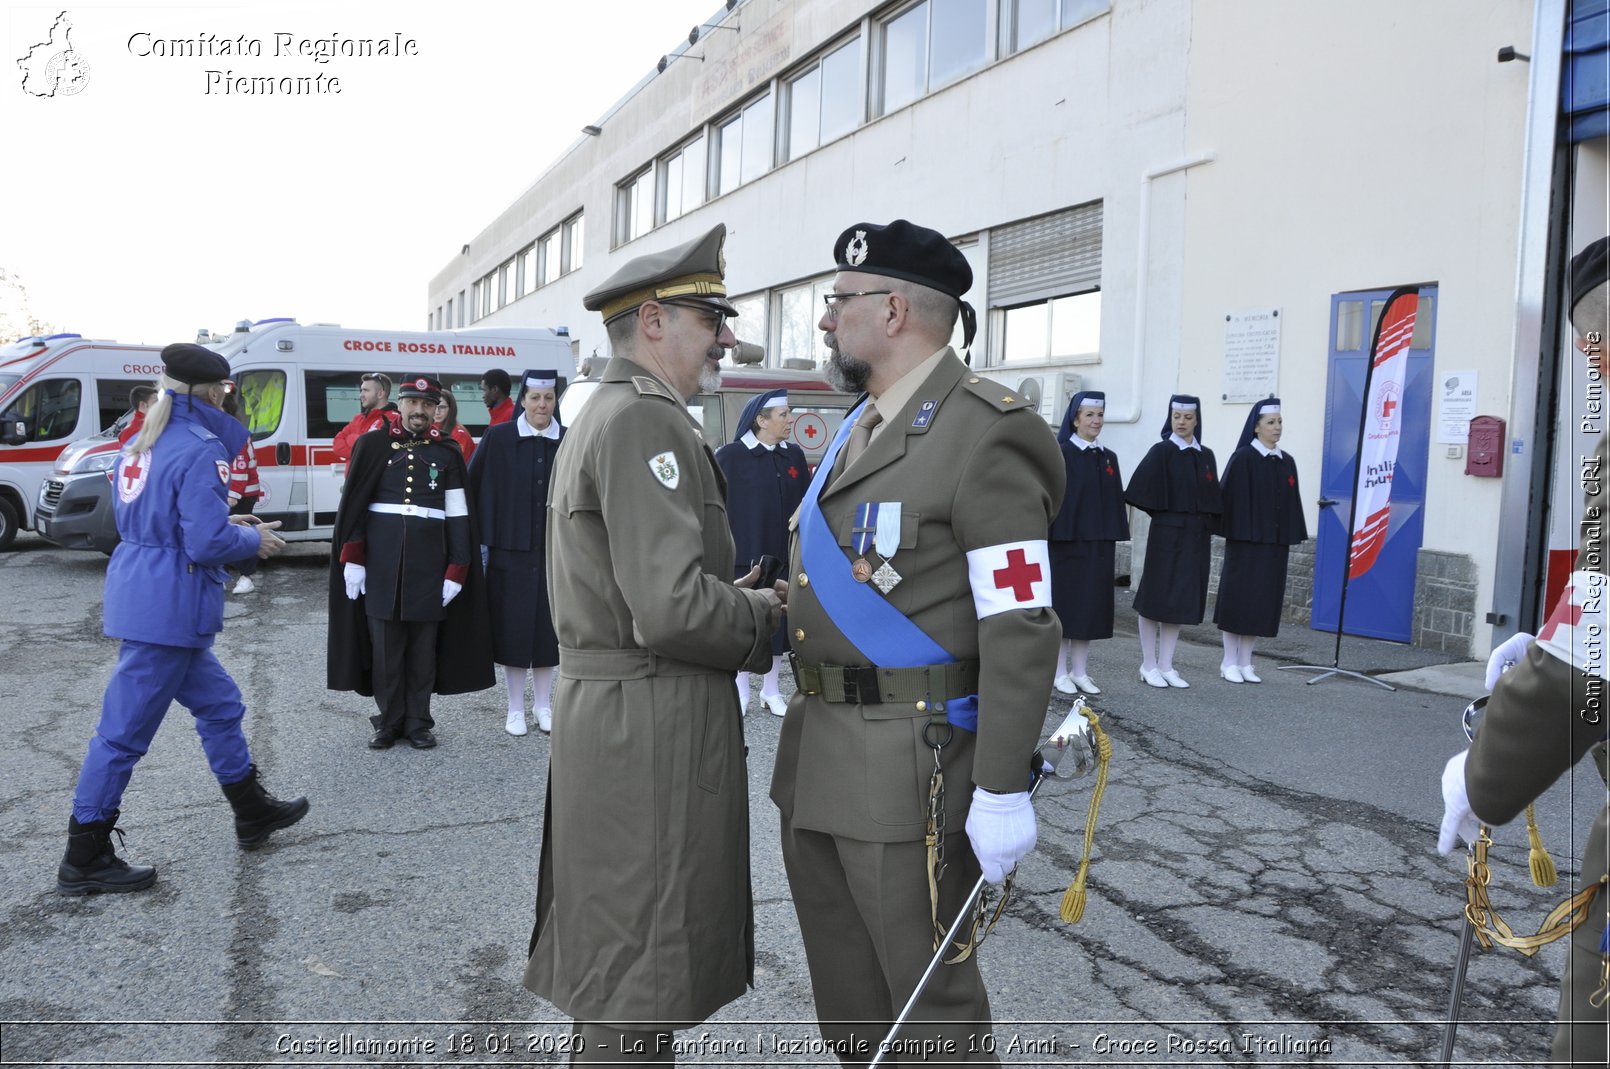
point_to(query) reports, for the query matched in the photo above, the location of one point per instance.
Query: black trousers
(404, 673)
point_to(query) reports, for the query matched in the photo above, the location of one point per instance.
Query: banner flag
(1383, 428)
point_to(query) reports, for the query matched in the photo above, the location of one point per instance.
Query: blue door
(1380, 603)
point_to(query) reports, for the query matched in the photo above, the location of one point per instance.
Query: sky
(150, 202)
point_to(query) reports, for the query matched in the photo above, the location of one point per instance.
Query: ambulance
(62, 398)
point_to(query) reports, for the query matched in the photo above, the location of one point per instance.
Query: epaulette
(649, 386)
(997, 396)
(201, 432)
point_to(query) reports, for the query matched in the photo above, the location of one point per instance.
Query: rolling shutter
(1047, 256)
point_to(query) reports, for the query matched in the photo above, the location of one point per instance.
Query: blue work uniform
(165, 600)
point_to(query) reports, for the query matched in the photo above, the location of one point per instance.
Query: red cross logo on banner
(1566, 614)
(1387, 406)
(1018, 574)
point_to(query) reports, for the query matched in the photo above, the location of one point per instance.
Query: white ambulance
(299, 386)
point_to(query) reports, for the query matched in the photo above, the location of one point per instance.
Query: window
(682, 186)
(466, 390)
(929, 46)
(744, 145)
(634, 201)
(530, 271)
(825, 101)
(799, 310)
(750, 326)
(48, 410)
(447, 323)
(1026, 22)
(112, 399)
(262, 400)
(574, 239)
(552, 258)
(461, 302)
(1046, 330)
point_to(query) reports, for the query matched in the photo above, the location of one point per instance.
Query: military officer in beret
(643, 908)
(165, 601)
(1548, 711)
(406, 595)
(921, 624)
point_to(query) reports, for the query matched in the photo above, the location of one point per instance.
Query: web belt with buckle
(871, 685)
(410, 510)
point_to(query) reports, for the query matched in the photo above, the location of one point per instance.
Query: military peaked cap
(193, 365)
(694, 271)
(421, 386)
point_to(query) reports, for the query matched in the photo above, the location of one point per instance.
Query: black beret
(906, 251)
(193, 365)
(1589, 270)
(421, 386)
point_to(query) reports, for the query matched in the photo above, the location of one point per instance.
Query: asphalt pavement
(1265, 888)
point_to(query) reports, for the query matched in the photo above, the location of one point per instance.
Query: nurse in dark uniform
(1262, 520)
(1092, 519)
(766, 480)
(1177, 484)
(509, 481)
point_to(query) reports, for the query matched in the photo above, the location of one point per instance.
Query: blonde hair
(161, 410)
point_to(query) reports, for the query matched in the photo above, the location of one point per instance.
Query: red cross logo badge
(1018, 575)
(132, 479)
(793, 472)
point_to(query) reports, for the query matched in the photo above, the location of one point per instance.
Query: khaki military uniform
(1544, 715)
(971, 466)
(643, 906)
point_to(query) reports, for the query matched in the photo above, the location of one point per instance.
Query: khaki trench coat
(643, 905)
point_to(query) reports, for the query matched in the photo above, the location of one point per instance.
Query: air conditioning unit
(1049, 389)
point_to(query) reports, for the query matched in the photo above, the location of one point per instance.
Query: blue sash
(883, 634)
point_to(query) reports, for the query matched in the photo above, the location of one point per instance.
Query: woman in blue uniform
(1177, 484)
(165, 601)
(1262, 520)
(1092, 519)
(766, 480)
(509, 484)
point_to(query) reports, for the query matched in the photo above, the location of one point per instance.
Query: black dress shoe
(383, 740)
(422, 739)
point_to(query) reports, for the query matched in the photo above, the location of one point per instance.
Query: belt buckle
(861, 685)
(410, 510)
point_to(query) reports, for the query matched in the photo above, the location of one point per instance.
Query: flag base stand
(1326, 671)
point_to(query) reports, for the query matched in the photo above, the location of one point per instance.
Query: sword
(1467, 934)
(1068, 753)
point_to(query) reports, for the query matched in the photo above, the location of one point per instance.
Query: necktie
(860, 435)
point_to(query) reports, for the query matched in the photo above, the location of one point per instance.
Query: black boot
(91, 866)
(257, 813)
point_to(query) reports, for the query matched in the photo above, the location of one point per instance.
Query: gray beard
(709, 379)
(847, 374)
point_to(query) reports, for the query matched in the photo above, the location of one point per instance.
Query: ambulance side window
(112, 399)
(262, 397)
(332, 399)
(472, 413)
(48, 410)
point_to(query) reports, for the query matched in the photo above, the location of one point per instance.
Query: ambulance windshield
(6, 381)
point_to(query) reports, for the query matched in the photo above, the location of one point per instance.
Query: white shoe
(1153, 678)
(1085, 684)
(515, 724)
(776, 703)
(1230, 673)
(1248, 674)
(244, 585)
(1174, 679)
(1066, 685)
(545, 720)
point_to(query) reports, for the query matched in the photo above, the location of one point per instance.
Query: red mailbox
(1485, 453)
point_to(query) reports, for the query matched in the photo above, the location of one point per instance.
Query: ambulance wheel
(8, 524)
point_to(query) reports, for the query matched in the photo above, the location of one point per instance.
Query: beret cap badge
(855, 253)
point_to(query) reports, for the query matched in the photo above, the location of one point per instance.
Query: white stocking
(1247, 642)
(1148, 644)
(542, 688)
(1232, 650)
(1078, 657)
(515, 677)
(1168, 636)
(743, 692)
(768, 685)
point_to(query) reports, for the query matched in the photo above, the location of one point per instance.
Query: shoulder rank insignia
(996, 395)
(665, 469)
(648, 386)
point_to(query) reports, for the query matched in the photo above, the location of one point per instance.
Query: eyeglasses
(832, 300)
(715, 320)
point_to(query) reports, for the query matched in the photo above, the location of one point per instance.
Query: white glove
(1001, 829)
(357, 577)
(1458, 822)
(450, 591)
(1506, 656)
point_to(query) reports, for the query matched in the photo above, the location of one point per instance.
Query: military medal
(866, 524)
(433, 476)
(886, 539)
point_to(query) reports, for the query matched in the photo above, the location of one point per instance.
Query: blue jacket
(165, 583)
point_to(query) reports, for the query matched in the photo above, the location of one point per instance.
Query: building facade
(1156, 196)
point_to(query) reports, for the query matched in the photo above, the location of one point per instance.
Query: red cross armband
(1575, 631)
(1013, 575)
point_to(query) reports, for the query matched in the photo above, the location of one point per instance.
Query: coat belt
(410, 510)
(871, 685)
(625, 664)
